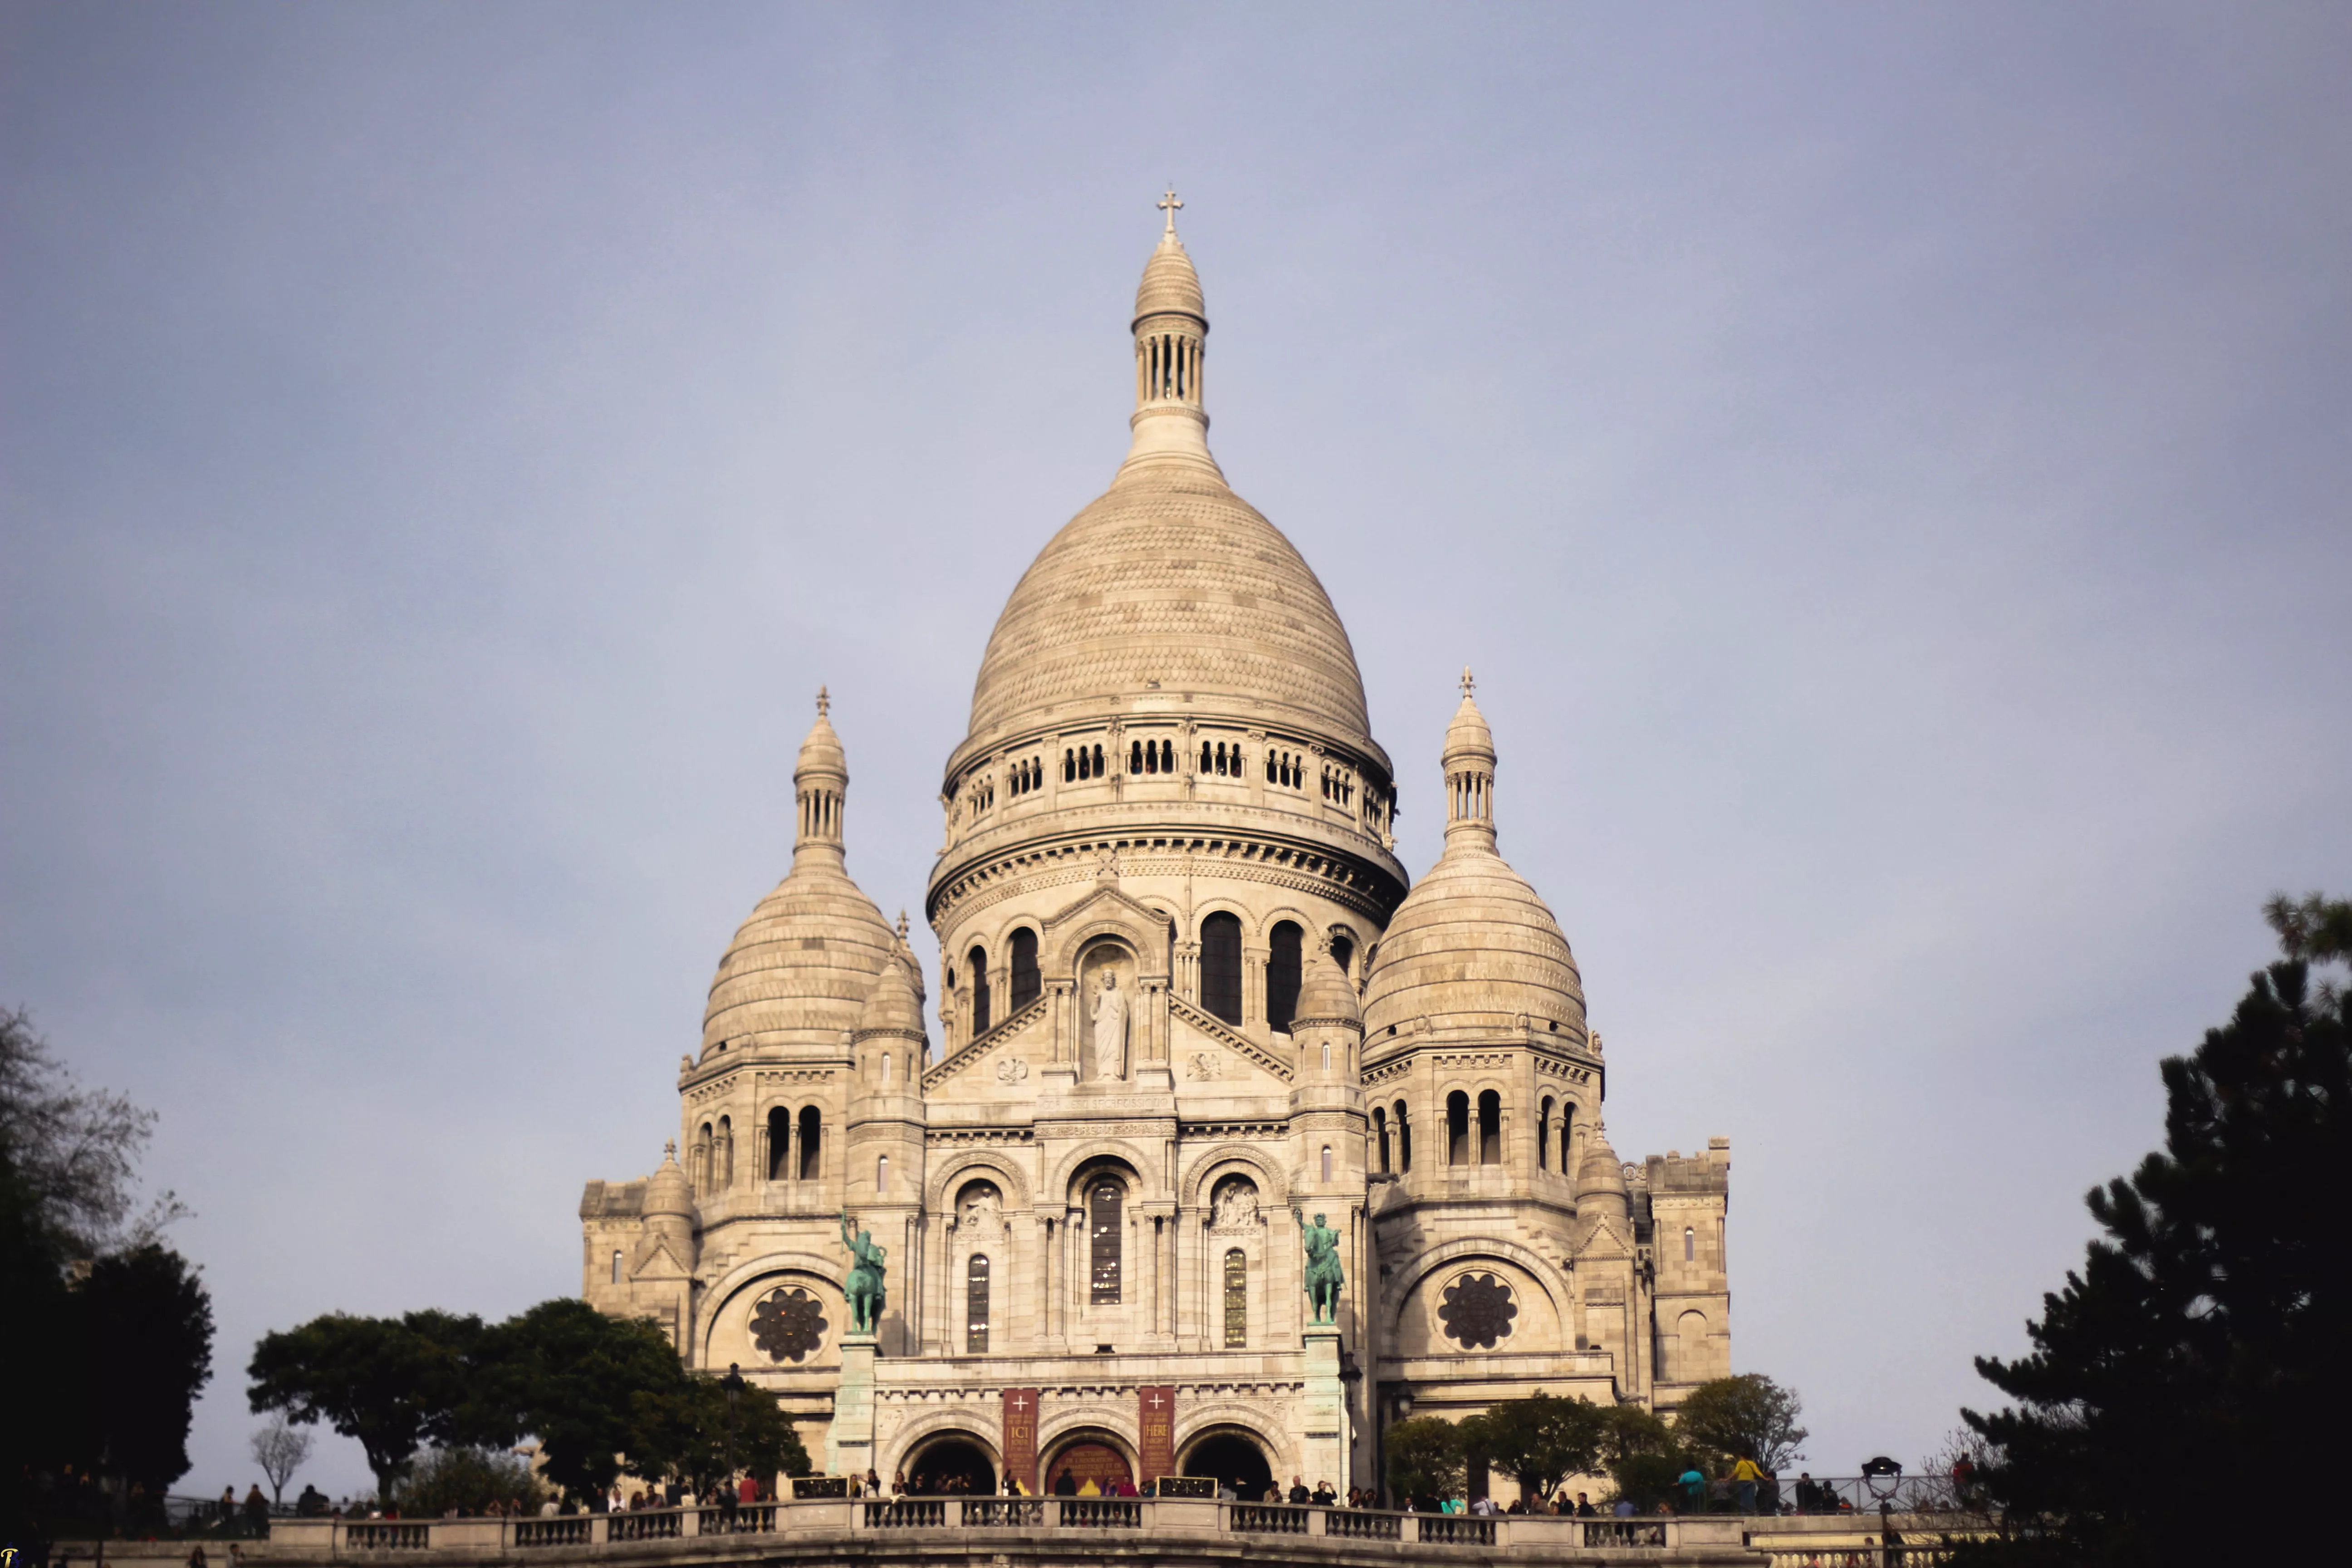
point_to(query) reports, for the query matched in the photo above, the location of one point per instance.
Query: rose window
(788, 1324)
(1477, 1310)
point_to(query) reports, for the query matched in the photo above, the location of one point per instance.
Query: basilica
(1204, 1044)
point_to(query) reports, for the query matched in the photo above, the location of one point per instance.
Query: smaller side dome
(1326, 997)
(821, 754)
(1600, 1178)
(1170, 285)
(1466, 734)
(668, 1192)
(891, 1007)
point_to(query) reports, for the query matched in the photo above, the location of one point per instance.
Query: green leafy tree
(2203, 1352)
(1644, 1457)
(569, 1375)
(1538, 1441)
(1748, 1417)
(691, 1432)
(469, 1481)
(394, 1383)
(1426, 1459)
(146, 1351)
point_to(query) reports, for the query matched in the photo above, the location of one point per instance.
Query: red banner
(1021, 1435)
(1156, 1427)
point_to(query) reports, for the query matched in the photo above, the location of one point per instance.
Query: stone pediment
(658, 1258)
(1104, 910)
(1026, 1026)
(1609, 1238)
(1203, 1049)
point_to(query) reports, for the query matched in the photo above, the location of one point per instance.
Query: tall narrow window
(1543, 1136)
(1069, 767)
(1326, 1162)
(1690, 1245)
(1343, 951)
(881, 1176)
(1204, 756)
(1404, 1138)
(1167, 756)
(975, 1305)
(779, 1143)
(1099, 762)
(812, 1141)
(616, 1266)
(1104, 1220)
(1458, 1129)
(1490, 1128)
(1026, 983)
(1284, 956)
(1135, 756)
(978, 963)
(1236, 1299)
(726, 1152)
(1381, 1129)
(1220, 967)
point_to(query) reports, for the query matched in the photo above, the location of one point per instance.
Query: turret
(669, 1202)
(1171, 330)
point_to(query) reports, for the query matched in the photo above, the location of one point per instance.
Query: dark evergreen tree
(2183, 1387)
(394, 1383)
(145, 1328)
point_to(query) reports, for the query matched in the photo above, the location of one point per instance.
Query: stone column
(1323, 1445)
(849, 1440)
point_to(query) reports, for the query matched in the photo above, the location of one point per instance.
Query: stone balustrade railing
(326, 1540)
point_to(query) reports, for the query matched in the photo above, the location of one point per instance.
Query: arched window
(1326, 1162)
(1104, 1220)
(1458, 1129)
(701, 1175)
(1690, 1245)
(1490, 1128)
(1236, 1299)
(1270, 767)
(1135, 756)
(1284, 959)
(1167, 756)
(1220, 967)
(1026, 983)
(1543, 1136)
(812, 1141)
(881, 1176)
(1098, 763)
(1069, 765)
(975, 1305)
(978, 963)
(1204, 756)
(779, 1143)
(1404, 1138)
(1343, 952)
(1381, 1129)
(616, 1266)
(726, 1152)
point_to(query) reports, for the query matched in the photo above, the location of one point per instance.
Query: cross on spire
(824, 703)
(1170, 205)
(1468, 684)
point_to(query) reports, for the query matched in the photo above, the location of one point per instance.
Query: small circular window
(789, 1325)
(1477, 1310)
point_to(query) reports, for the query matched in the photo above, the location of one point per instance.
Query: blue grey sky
(1888, 466)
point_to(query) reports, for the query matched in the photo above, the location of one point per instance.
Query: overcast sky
(1887, 466)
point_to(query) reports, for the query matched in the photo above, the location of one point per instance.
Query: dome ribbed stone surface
(667, 1190)
(1326, 997)
(1171, 585)
(1169, 284)
(1471, 943)
(891, 1006)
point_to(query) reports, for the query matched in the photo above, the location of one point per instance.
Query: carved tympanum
(1477, 1310)
(788, 1324)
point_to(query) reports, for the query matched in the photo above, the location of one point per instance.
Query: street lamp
(733, 1384)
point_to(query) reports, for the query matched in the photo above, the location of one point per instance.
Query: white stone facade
(1092, 1208)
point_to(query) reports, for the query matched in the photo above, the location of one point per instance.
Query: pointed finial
(1468, 685)
(902, 925)
(824, 703)
(669, 1148)
(1170, 205)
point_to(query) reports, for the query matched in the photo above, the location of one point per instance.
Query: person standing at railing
(1743, 1476)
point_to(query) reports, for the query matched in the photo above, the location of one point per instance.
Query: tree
(145, 1352)
(392, 1382)
(469, 1481)
(1424, 1458)
(1645, 1456)
(2203, 1351)
(280, 1450)
(1538, 1441)
(1748, 1417)
(76, 1151)
(569, 1375)
(688, 1433)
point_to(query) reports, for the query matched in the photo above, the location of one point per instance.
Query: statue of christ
(1111, 1028)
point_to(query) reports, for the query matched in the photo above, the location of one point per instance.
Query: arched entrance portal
(1088, 1459)
(951, 1467)
(1232, 1458)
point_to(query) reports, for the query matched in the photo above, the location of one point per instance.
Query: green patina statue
(1324, 1275)
(863, 1288)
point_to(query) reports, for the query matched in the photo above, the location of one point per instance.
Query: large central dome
(1170, 586)
(1171, 582)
